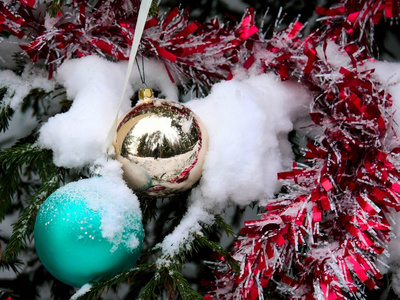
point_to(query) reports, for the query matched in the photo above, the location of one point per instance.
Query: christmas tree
(264, 163)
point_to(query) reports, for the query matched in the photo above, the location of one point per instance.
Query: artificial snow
(248, 123)
(182, 236)
(388, 74)
(116, 204)
(18, 87)
(334, 56)
(82, 291)
(79, 136)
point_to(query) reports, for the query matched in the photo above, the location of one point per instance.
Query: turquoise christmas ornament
(88, 230)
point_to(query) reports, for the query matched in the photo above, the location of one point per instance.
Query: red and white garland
(108, 27)
(322, 239)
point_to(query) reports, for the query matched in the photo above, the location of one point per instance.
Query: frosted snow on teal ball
(88, 230)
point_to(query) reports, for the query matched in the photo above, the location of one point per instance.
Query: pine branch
(174, 283)
(168, 267)
(23, 228)
(13, 161)
(205, 242)
(154, 8)
(148, 207)
(103, 285)
(182, 285)
(133, 275)
(224, 226)
(55, 8)
(13, 266)
(5, 112)
(36, 100)
(149, 290)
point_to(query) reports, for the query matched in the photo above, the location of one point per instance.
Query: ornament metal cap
(145, 94)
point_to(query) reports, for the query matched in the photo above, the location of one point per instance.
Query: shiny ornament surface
(69, 239)
(162, 147)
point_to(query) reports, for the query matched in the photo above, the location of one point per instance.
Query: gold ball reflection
(162, 146)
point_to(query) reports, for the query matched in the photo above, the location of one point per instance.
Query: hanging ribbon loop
(140, 24)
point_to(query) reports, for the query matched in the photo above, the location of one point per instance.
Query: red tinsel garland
(108, 27)
(322, 239)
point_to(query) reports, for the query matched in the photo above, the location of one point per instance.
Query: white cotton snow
(79, 136)
(182, 236)
(82, 291)
(388, 74)
(248, 122)
(116, 204)
(18, 87)
(334, 56)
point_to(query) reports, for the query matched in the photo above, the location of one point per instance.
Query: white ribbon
(140, 23)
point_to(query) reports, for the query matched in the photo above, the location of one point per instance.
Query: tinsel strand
(321, 241)
(200, 53)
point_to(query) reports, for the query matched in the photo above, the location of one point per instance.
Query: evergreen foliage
(5, 112)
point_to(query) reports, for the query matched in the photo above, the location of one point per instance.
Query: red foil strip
(30, 3)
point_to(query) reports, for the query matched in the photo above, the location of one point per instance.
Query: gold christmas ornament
(161, 145)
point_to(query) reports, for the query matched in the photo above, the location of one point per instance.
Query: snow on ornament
(162, 146)
(88, 230)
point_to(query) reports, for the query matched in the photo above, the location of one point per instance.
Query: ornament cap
(145, 94)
